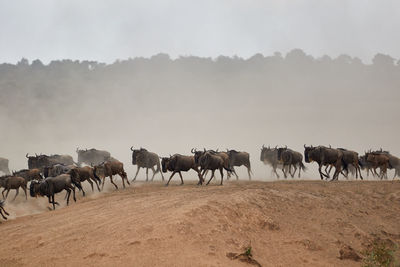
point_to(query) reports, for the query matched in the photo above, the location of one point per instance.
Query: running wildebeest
(290, 158)
(56, 170)
(145, 159)
(351, 159)
(92, 156)
(180, 163)
(41, 161)
(210, 161)
(238, 159)
(269, 156)
(325, 156)
(81, 174)
(4, 166)
(223, 155)
(380, 160)
(51, 186)
(108, 169)
(12, 182)
(29, 175)
(3, 212)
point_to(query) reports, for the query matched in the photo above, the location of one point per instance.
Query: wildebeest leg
(111, 179)
(16, 194)
(295, 169)
(154, 173)
(212, 176)
(359, 171)
(2, 192)
(205, 172)
(181, 178)
(26, 196)
(137, 171)
(320, 171)
(68, 194)
(8, 191)
(1, 213)
(147, 174)
(98, 187)
(5, 212)
(102, 185)
(222, 175)
(91, 184)
(170, 178)
(234, 172)
(274, 170)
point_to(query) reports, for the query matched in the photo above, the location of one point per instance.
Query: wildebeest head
(280, 150)
(99, 171)
(308, 151)
(34, 188)
(197, 154)
(165, 163)
(135, 153)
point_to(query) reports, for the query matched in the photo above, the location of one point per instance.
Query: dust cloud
(172, 105)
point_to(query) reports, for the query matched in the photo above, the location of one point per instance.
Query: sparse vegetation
(380, 254)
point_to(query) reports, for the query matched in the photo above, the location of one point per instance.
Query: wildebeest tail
(77, 183)
(228, 169)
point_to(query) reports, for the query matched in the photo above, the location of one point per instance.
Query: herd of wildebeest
(49, 175)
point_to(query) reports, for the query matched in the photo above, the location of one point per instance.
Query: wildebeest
(41, 161)
(238, 159)
(3, 212)
(180, 163)
(145, 159)
(81, 174)
(351, 159)
(290, 158)
(29, 175)
(380, 160)
(92, 156)
(210, 161)
(269, 156)
(4, 166)
(51, 186)
(12, 182)
(108, 169)
(56, 169)
(325, 156)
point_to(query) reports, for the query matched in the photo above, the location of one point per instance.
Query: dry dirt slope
(299, 223)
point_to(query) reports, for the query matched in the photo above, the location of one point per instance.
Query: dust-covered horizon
(172, 105)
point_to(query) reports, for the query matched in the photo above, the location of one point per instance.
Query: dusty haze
(171, 105)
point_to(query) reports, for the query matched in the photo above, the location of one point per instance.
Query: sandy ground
(287, 223)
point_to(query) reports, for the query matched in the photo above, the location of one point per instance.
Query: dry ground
(296, 223)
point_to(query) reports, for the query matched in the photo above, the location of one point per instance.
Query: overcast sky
(108, 30)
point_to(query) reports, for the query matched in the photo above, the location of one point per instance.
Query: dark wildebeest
(145, 159)
(210, 161)
(41, 161)
(92, 156)
(108, 169)
(325, 156)
(380, 160)
(29, 175)
(180, 163)
(3, 212)
(81, 174)
(269, 156)
(4, 166)
(290, 158)
(56, 170)
(238, 159)
(365, 165)
(12, 182)
(223, 155)
(351, 159)
(51, 186)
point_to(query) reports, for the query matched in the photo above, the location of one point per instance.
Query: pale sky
(109, 30)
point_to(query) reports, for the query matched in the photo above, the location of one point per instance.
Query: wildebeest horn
(27, 155)
(304, 145)
(263, 146)
(193, 151)
(276, 147)
(216, 150)
(132, 148)
(204, 149)
(330, 146)
(36, 154)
